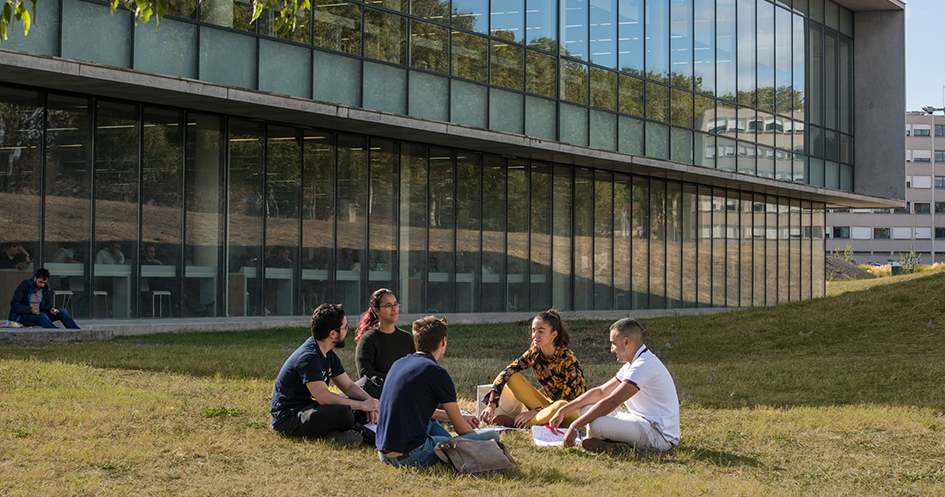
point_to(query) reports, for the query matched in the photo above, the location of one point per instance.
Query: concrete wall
(879, 103)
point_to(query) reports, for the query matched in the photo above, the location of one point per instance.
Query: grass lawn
(838, 396)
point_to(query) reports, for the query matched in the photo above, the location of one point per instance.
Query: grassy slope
(836, 396)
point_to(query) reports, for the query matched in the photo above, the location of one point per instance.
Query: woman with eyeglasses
(556, 368)
(380, 342)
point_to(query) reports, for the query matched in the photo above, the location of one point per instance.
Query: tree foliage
(285, 12)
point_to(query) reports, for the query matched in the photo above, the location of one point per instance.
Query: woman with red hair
(379, 341)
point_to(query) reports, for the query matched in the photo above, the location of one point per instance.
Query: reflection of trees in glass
(337, 26)
(470, 55)
(541, 68)
(21, 125)
(506, 63)
(574, 81)
(603, 88)
(385, 36)
(428, 46)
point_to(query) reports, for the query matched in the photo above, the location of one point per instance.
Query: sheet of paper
(372, 427)
(545, 437)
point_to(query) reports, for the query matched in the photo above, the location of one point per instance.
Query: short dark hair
(42, 273)
(428, 332)
(554, 320)
(327, 317)
(630, 328)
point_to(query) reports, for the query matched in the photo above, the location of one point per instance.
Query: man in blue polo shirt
(302, 405)
(407, 427)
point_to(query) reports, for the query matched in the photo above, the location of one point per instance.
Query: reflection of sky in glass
(657, 22)
(508, 18)
(630, 35)
(681, 38)
(603, 38)
(704, 42)
(574, 28)
(540, 22)
(471, 14)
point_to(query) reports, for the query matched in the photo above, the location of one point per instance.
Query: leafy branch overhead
(286, 12)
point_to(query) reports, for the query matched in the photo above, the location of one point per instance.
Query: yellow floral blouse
(561, 376)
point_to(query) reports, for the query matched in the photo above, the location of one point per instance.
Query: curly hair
(369, 317)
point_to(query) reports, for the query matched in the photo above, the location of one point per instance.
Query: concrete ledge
(43, 335)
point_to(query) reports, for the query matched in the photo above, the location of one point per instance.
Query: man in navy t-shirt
(302, 405)
(407, 427)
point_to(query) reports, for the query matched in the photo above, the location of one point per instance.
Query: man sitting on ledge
(644, 385)
(302, 405)
(30, 305)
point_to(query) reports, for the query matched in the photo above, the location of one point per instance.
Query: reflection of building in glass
(473, 155)
(882, 235)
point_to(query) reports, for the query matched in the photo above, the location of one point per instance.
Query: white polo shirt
(656, 401)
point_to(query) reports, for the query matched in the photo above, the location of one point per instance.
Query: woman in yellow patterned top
(556, 368)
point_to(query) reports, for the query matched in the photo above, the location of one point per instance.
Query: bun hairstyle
(554, 320)
(369, 317)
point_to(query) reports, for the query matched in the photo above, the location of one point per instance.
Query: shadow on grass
(717, 457)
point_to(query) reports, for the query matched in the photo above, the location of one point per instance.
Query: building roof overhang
(111, 82)
(871, 5)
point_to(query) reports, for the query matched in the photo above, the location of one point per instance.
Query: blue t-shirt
(306, 364)
(415, 385)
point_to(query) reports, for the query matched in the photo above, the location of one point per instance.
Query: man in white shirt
(111, 254)
(643, 385)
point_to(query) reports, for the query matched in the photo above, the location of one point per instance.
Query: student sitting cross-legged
(407, 428)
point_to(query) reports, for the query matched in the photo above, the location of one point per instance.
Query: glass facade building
(518, 154)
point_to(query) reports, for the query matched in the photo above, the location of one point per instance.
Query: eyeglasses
(390, 307)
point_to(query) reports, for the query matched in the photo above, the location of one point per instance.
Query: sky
(925, 59)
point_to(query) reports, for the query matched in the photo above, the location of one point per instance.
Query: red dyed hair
(369, 317)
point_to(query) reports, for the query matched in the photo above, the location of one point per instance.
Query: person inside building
(302, 405)
(14, 256)
(407, 426)
(557, 369)
(643, 385)
(380, 342)
(31, 306)
(66, 254)
(110, 254)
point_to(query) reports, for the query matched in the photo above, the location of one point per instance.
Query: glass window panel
(800, 6)
(116, 209)
(657, 52)
(831, 145)
(689, 240)
(845, 78)
(783, 165)
(574, 82)
(784, 257)
(640, 243)
(469, 267)
(337, 25)
(704, 264)
(205, 192)
(766, 56)
(818, 277)
(540, 118)
(506, 111)
(540, 241)
(217, 64)
(385, 88)
(440, 266)
(674, 257)
(467, 104)
(746, 157)
(573, 125)
(245, 220)
(43, 38)
(270, 24)
(508, 20)
(846, 22)
(603, 89)
(413, 226)
(540, 25)
(433, 10)
(494, 181)
(517, 226)
(747, 124)
(766, 166)
(603, 33)
(726, 40)
(657, 141)
(228, 13)
(831, 86)
(784, 133)
(732, 233)
(630, 135)
(783, 61)
(603, 130)
(603, 240)
(815, 110)
(561, 238)
(573, 26)
(846, 149)
(318, 219)
(657, 220)
(771, 250)
(350, 214)
(283, 155)
(583, 239)
(704, 150)
(540, 73)
(623, 231)
(799, 53)
(747, 256)
(428, 95)
(400, 5)
(680, 25)
(725, 158)
(162, 180)
(806, 261)
(180, 39)
(470, 54)
(719, 274)
(285, 69)
(657, 102)
(704, 115)
(681, 112)
(507, 65)
(760, 264)
(382, 214)
(385, 36)
(630, 41)
(704, 46)
(681, 146)
(846, 177)
(471, 15)
(631, 96)
(331, 68)
(428, 46)
(94, 33)
(831, 15)
(796, 260)
(747, 63)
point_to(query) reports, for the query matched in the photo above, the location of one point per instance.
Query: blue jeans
(45, 319)
(423, 456)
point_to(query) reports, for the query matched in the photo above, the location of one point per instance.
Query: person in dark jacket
(30, 305)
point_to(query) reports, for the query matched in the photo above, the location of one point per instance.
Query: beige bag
(473, 457)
